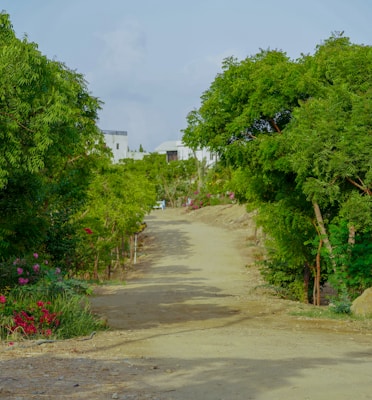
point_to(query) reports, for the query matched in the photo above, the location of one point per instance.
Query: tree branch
(16, 121)
(324, 236)
(361, 187)
(274, 125)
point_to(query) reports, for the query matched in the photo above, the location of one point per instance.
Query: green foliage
(76, 318)
(23, 271)
(30, 314)
(341, 303)
(52, 307)
(118, 200)
(50, 146)
(174, 181)
(297, 135)
(286, 279)
(353, 260)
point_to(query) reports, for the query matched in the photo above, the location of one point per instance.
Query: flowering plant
(22, 271)
(35, 320)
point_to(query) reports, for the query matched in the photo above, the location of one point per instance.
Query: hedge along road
(195, 325)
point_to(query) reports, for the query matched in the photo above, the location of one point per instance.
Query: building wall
(184, 152)
(136, 155)
(118, 143)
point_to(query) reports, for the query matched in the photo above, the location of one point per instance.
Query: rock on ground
(362, 305)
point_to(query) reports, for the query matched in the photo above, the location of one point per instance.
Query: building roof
(170, 145)
(108, 132)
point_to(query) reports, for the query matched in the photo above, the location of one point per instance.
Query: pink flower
(46, 262)
(36, 268)
(22, 281)
(36, 255)
(2, 299)
(40, 304)
(88, 231)
(58, 271)
(19, 271)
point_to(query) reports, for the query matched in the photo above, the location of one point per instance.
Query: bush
(203, 199)
(22, 271)
(56, 309)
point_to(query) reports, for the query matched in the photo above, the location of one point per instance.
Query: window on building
(117, 146)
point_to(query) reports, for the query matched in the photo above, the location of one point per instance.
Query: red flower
(88, 231)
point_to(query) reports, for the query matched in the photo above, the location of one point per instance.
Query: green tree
(289, 130)
(174, 181)
(49, 143)
(118, 202)
(243, 117)
(330, 143)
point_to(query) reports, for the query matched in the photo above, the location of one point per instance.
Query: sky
(149, 61)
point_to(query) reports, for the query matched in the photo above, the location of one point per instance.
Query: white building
(137, 155)
(176, 150)
(118, 143)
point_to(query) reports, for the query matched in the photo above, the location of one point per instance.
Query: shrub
(22, 271)
(203, 199)
(54, 307)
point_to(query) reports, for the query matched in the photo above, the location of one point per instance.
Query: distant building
(137, 155)
(118, 143)
(176, 150)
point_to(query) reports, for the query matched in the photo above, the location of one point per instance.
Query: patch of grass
(76, 317)
(322, 312)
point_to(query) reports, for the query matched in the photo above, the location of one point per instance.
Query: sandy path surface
(190, 325)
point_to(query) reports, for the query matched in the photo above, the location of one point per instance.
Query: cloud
(124, 48)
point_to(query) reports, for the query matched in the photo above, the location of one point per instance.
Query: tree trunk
(316, 299)
(323, 232)
(95, 272)
(131, 246)
(306, 282)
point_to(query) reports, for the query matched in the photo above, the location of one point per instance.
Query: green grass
(324, 312)
(76, 317)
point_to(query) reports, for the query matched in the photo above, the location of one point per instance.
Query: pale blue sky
(150, 60)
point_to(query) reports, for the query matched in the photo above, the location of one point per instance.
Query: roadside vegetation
(294, 142)
(295, 136)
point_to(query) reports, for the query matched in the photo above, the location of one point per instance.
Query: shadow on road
(244, 378)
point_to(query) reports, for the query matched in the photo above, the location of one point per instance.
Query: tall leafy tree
(49, 142)
(243, 117)
(330, 144)
(298, 135)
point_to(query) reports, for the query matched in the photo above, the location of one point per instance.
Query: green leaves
(49, 145)
(117, 202)
(298, 133)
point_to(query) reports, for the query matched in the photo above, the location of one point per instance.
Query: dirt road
(192, 325)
